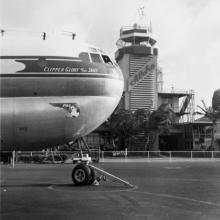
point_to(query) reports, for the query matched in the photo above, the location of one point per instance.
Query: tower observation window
(96, 58)
(84, 56)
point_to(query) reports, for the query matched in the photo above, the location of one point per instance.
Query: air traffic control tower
(137, 58)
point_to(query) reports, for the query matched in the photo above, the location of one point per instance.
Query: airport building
(137, 57)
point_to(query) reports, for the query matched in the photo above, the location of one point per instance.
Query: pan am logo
(72, 109)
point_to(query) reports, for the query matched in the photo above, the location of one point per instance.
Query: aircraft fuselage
(48, 99)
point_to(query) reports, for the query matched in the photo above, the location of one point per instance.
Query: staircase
(139, 142)
(185, 103)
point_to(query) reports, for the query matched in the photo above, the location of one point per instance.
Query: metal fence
(159, 155)
(109, 156)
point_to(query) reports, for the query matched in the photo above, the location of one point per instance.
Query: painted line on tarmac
(53, 188)
(178, 197)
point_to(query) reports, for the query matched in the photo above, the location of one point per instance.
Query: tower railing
(143, 29)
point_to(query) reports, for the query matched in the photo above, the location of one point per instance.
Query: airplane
(54, 90)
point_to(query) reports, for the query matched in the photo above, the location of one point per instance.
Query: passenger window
(106, 59)
(84, 56)
(95, 58)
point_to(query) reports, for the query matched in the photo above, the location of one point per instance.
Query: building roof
(200, 121)
(203, 120)
(172, 94)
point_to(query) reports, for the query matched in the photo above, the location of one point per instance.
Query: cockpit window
(106, 59)
(96, 58)
(84, 56)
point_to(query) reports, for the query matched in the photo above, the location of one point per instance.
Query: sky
(187, 32)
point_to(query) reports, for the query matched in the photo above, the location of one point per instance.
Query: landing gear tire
(92, 176)
(81, 174)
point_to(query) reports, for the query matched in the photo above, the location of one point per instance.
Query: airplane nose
(119, 80)
(115, 72)
(119, 73)
(100, 107)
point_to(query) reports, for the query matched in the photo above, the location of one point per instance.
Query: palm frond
(204, 105)
(202, 109)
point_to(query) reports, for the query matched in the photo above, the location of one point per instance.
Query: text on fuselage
(70, 70)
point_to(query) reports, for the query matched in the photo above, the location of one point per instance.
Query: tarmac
(185, 190)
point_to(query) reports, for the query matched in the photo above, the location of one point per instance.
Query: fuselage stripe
(14, 75)
(40, 56)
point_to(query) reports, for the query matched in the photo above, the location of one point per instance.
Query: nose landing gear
(83, 174)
